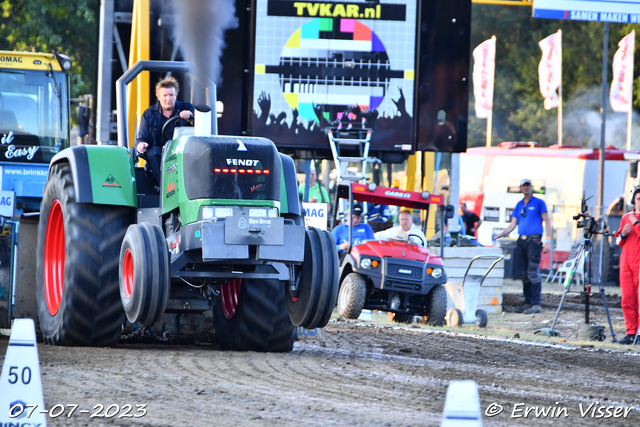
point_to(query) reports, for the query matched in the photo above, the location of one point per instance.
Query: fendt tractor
(400, 276)
(34, 126)
(225, 232)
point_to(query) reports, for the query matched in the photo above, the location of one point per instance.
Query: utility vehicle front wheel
(437, 300)
(351, 296)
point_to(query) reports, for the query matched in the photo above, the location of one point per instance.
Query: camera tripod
(585, 253)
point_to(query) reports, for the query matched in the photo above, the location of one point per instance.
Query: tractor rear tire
(437, 299)
(144, 273)
(351, 296)
(77, 266)
(251, 315)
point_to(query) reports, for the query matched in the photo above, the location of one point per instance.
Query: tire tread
(90, 313)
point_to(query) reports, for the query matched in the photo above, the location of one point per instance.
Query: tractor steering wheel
(166, 126)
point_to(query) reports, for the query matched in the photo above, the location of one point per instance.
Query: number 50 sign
(20, 382)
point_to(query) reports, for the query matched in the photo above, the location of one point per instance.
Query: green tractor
(225, 233)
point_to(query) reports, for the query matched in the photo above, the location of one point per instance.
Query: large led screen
(334, 64)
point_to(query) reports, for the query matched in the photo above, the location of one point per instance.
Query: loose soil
(371, 373)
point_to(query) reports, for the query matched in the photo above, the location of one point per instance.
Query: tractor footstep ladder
(350, 146)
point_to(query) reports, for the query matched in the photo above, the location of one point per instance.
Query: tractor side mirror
(633, 168)
(449, 211)
(82, 116)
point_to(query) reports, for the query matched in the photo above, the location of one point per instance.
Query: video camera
(585, 220)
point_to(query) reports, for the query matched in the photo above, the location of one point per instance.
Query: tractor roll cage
(160, 66)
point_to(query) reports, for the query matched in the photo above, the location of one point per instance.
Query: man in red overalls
(628, 237)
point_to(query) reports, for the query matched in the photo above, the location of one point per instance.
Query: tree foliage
(68, 26)
(518, 111)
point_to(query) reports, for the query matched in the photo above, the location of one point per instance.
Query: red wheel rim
(127, 274)
(54, 255)
(229, 297)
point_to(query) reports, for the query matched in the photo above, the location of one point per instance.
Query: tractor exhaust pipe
(202, 121)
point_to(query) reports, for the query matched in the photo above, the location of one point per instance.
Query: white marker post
(21, 397)
(462, 405)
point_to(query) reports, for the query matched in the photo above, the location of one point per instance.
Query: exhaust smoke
(199, 31)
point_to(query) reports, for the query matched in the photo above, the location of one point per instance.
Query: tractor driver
(406, 230)
(361, 231)
(150, 139)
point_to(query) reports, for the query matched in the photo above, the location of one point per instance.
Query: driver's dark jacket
(150, 130)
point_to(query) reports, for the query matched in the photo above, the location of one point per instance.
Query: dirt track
(362, 373)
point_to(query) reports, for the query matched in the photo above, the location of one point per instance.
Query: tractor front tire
(437, 300)
(316, 281)
(77, 266)
(144, 273)
(351, 296)
(251, 315)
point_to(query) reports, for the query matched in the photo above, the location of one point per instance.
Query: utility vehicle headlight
(372, 186)
(425, 194)
(437, 273)
(365, 263)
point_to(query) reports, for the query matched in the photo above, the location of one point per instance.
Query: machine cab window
(33, 114)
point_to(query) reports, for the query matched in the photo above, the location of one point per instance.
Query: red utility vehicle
(397, 276)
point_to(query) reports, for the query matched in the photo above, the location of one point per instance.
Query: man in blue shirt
(360, 233)
(528, 216)
(150, 139)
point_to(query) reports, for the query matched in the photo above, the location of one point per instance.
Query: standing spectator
(528, 216)
(628, 237)
(317, 193)
(360, 232)
(471, 220)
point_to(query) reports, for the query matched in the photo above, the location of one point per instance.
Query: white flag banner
(550, 69)
(622, 85)
(484, 64)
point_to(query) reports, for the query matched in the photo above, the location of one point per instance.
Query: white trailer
(490, 178)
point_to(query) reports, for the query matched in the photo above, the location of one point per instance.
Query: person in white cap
(528, 216)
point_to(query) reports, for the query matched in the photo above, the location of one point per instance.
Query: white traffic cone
(462, 405)
(21, 400)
